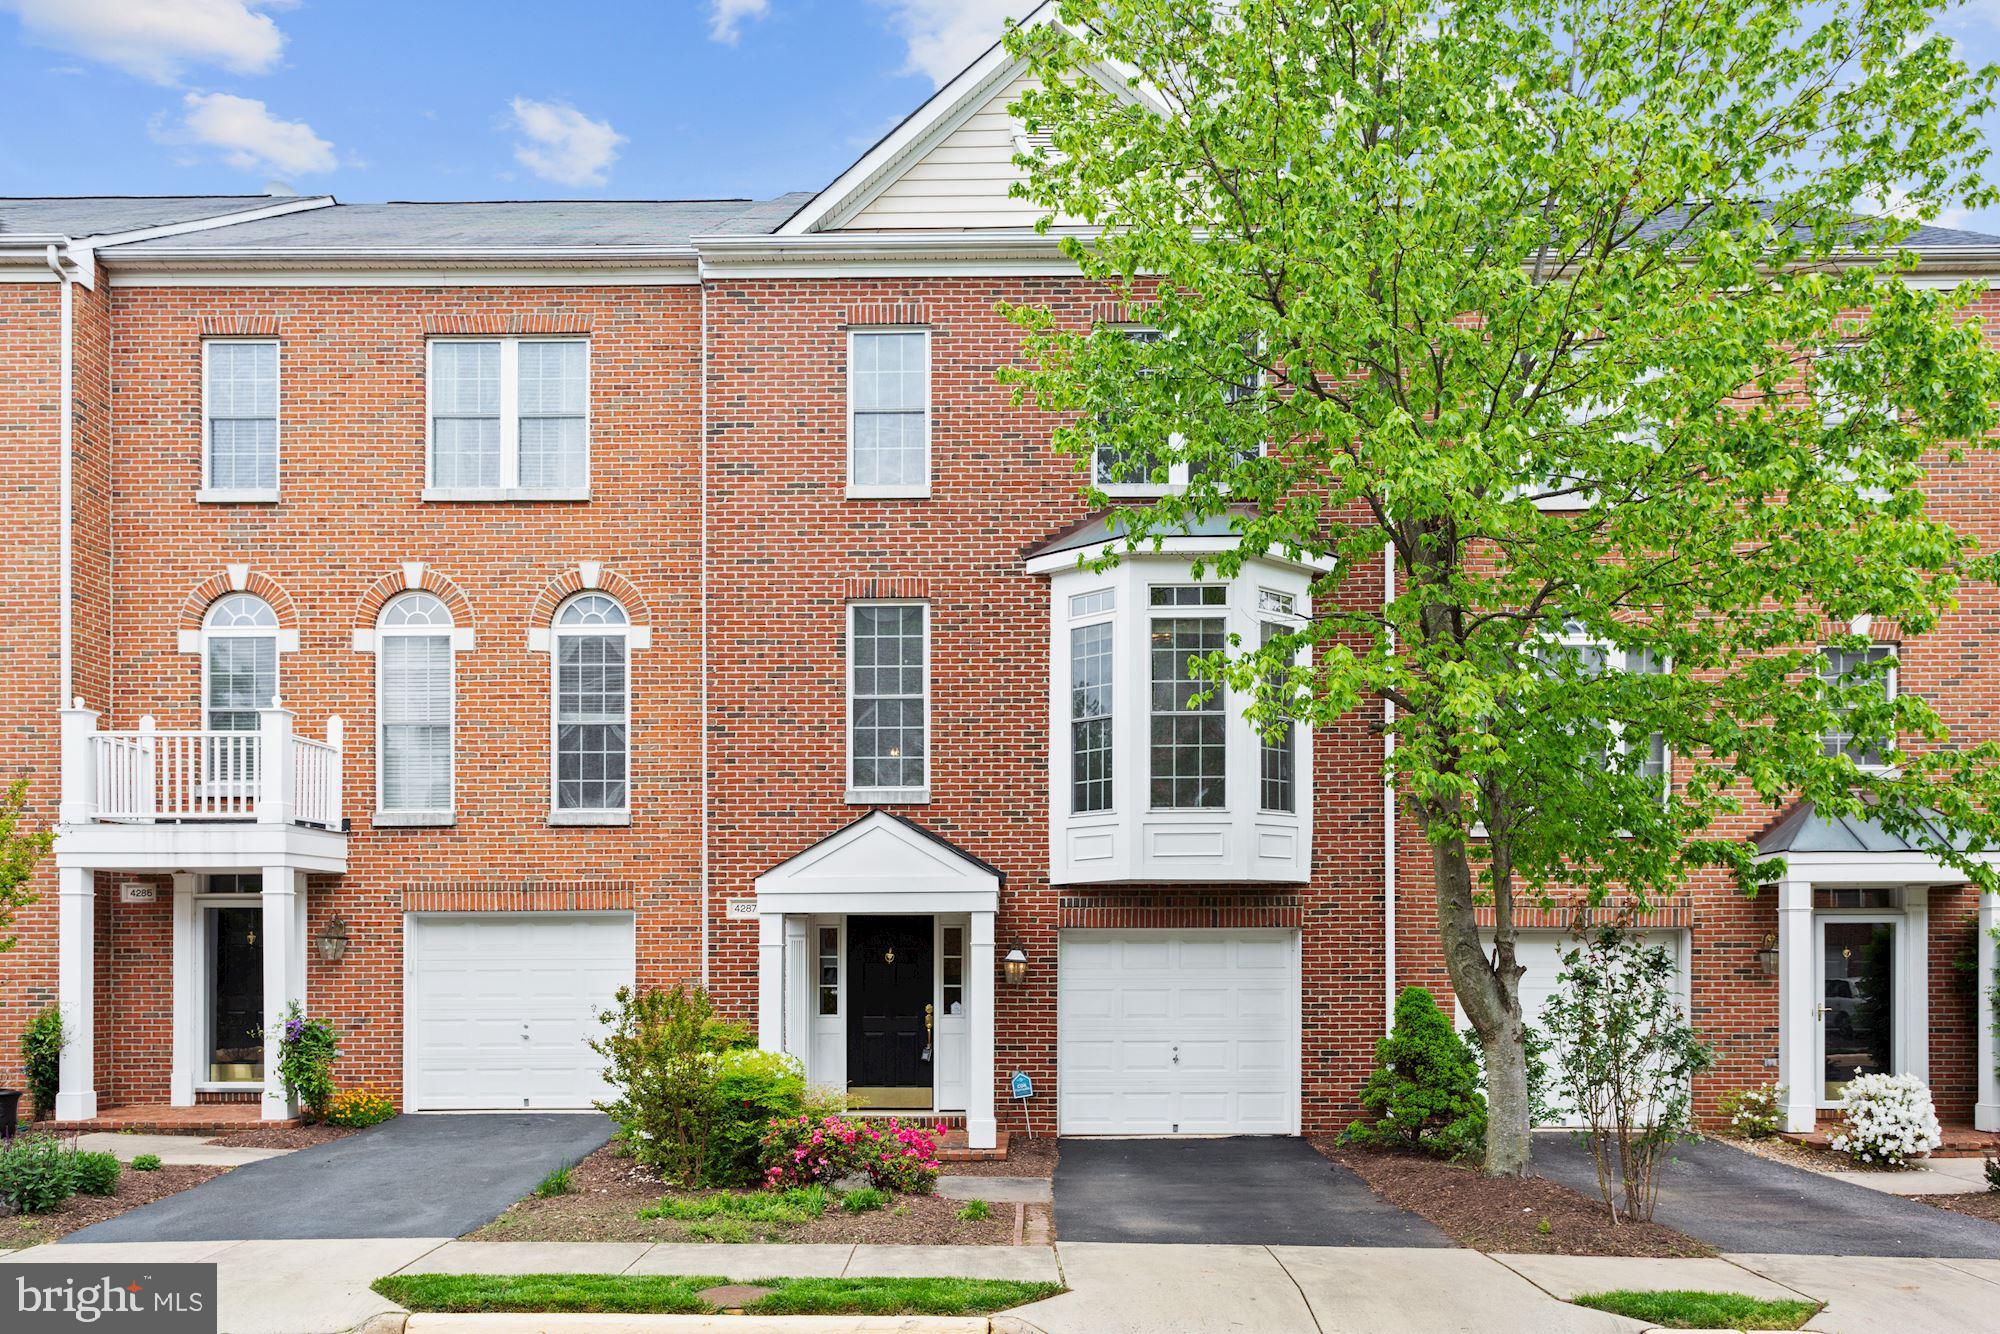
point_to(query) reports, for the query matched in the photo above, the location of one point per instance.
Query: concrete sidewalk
(174, 1150)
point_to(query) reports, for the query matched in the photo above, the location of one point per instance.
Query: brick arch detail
(204, 595)
(397, 582)
(571, 582)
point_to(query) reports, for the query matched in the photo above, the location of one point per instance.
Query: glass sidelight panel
(1857, 1000)
(235, 952)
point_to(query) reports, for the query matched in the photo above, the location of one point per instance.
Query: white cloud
(944, 36)
(249, 137)
(158, 39)
(726, 17)
(562, 144)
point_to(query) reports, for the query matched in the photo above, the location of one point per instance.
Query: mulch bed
(1530, 1215)
(607, 1191)
(1811, 1157)
(1982, 1204)
(284, 1137)
(80, 1211)
(1025, 1158)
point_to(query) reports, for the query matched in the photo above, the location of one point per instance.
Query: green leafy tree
(1424, 1092)
(21, 850)
(1590, 317)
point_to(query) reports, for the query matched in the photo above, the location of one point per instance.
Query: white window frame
(210, 632)
(1149, 616)
(510, 487)
(1278, 611)
(587, 815)
(1616, 660)
(1891, 686)
(211, 494)
(1085, 610)
(1179, 474)
(449, 632)
(888, 796)
(899, 490)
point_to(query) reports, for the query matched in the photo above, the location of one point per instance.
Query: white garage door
(499, 1007)
(1178, 1032)
(1540, 952)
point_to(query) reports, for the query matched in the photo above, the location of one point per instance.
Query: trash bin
(10, 1112)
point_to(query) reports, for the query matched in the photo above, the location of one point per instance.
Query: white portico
(876, 969)
(1854, 959)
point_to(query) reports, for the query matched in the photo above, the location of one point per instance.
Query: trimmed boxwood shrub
(96, 1173)
(1425, 1088)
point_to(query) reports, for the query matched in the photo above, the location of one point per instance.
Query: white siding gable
(961, 181)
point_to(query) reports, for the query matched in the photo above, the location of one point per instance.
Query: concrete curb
(693, 1324)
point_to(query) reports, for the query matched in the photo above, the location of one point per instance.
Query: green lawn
(1701, 1310)
(627, 1294)
(786, 1206)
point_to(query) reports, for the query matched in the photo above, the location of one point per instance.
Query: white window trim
(1179, 475)
(1105, 615)
(510, 487)
(285, 640)
(1287, 621)
(590, 815)
(897, 491)
(405, 815)
(887, 796)
(1149, 615)
(210, 494)
(1891, 685)
(1614, 661)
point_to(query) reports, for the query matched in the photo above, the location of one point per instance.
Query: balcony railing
(147, 776)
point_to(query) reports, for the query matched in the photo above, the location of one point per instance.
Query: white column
(284, 979)
(771, 981)
(187, 980)
(798, 988)
(1986, 1116)
(275, 760)
(1913, 999)
(982, 1131)
(76, 991)
(1798, 1006)
(77, 802)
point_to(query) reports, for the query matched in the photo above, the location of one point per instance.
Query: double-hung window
(888, 426)
(1092, 631)
(1836, 667)
(239, 419)
(593, 707)
(239, 678)
(1189, 712)
(509, 419)
(1278, 750)
(413, 706)
(888, 702)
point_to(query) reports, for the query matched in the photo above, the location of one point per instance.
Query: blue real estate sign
(1022, 1086)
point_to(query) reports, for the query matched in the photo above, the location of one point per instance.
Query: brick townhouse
(444, 614)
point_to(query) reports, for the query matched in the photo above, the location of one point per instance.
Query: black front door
(236, 994)
(888, 994)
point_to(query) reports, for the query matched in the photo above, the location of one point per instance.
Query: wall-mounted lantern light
(332, 939)
(1767, 956)
(1015, 966)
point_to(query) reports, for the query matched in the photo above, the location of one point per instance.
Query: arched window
(414, 695)
(239, 662)
(593, 705)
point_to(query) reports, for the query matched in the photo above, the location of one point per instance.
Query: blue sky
(483, 99)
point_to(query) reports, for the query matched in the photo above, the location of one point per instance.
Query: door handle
(929, 1013)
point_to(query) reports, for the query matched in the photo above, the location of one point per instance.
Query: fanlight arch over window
(591, 609)
(592, 706)
(239, 662)
(240, 612)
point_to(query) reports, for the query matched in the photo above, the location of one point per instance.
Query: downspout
(702, 600)
(1389, 813)
(65, 496)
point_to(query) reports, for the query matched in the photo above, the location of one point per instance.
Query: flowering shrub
(359, 1108)
(1756, 1113)
(1889, 1120)
(306, 1054)
(805, 1151)
(752, 1089)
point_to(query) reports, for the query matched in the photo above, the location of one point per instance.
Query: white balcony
(148, 799)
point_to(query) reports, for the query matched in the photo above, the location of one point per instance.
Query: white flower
(1889, 1119)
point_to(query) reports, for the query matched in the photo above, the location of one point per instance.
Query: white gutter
(1389, 813)
(701, 598)
(65, 501)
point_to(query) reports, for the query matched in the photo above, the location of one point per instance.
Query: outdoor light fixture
(1016, 966)
(332, 939)
(1767, 957)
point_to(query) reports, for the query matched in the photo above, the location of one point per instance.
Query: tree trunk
(1489, 990)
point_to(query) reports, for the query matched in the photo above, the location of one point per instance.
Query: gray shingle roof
(1098, 529)
(1923, 239)
(494, 225)
(102, 215)
(1804, 829)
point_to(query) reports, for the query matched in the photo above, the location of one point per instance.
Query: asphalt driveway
(1247, 1190)
(416, 1176)
(1737, 1201)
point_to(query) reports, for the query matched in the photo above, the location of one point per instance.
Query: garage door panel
(1204, 1038)
(500, 1009)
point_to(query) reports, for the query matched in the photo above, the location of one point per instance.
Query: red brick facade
(741, 552)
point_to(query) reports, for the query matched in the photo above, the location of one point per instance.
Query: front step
(1959, 1141)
